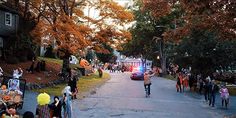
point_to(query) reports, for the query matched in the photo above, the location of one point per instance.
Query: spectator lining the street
(224, 94)
(28, 114)
(73, 85)
(17, 73)
(185, 82)
(31, 68)
(42, 110)
(179, 82)
(56, 107)
(100, 72)
(213, 90)
(67, 104)
(206, 90)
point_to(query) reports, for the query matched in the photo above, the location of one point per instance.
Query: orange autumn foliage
(214, 15)
(64, 24)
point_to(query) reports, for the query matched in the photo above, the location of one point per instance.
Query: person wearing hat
(147, 82)
(43, 110)
(224, 94)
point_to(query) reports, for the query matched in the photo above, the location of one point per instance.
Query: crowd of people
(59, 108)
(206, 86)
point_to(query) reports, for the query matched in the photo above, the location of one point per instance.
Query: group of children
(182, 82)
(59, 108)
(210, 88)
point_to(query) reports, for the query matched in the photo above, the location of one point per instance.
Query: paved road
(123, 98)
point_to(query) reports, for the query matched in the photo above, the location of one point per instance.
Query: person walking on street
(206, 90)
(147, 82)
(213, 89)
(224, 94)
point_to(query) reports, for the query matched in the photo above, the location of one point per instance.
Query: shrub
(49, 52)
(12, 60)
(23, 58)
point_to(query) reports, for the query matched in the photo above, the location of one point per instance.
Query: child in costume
(67, 102)
(43, 110)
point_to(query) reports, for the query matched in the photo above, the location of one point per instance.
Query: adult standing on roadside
(56, 107)
(213, 90)
(179, 82)
(206, 90)
(67, 103)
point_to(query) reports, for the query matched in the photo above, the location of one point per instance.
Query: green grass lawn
(86, 84)
(232, 90)
(58, 61)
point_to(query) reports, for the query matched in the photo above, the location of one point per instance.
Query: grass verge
(57, 61)
(232, 91)
(86, 85)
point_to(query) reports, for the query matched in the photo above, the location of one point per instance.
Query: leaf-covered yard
(86, 84)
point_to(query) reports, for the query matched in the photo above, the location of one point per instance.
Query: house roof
(7, 9)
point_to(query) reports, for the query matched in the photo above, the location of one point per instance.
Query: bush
(49, 52)
(232, 91)
(23, 58)
(12, 60)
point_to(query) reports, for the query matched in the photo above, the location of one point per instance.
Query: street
(125, 98)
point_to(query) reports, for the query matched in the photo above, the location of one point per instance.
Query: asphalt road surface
(121, 97)
(124, 98)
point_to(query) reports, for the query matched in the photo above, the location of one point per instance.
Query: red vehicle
(137, 76)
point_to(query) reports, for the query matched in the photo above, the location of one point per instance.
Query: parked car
(137, 75)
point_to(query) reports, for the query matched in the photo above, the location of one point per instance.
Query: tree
(205, 52)
(215, 15)
(106, 57)
(147, 34)
(63, 23)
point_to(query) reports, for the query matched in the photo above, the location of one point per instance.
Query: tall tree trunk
(66, 62)
(162, 56)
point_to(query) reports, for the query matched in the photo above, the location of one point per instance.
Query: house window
(8, 19)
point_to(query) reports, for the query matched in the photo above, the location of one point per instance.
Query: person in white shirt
(17, 73)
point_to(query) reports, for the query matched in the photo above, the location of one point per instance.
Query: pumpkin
(3, 87)
(84, 63)
(6, 97)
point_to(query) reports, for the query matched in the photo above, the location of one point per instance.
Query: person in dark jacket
(206, 90)
(73, 85)
(56, 107)
(28, 114)
(213, 89)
